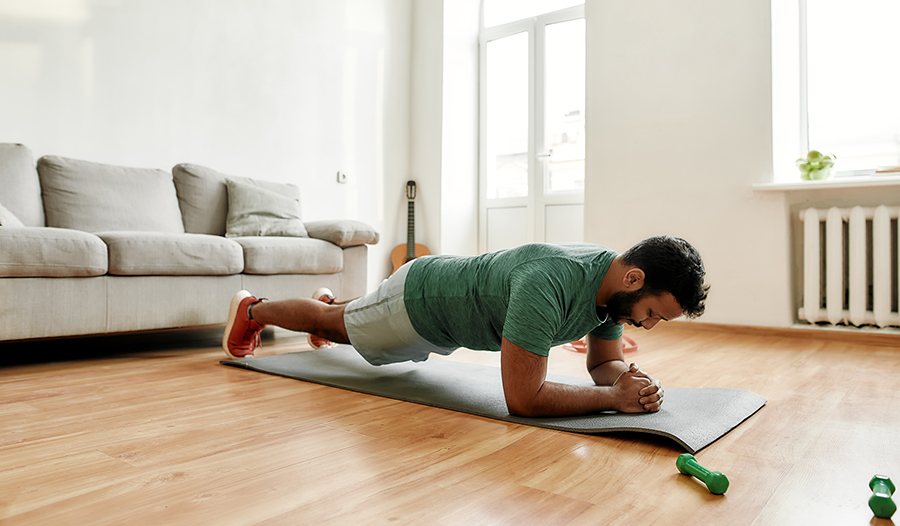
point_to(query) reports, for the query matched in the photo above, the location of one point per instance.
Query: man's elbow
(525, 409)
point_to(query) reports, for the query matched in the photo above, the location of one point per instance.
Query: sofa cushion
(98, 197)
(8, 218)
(203, 196)
(164, 254)
(20, 189)
(50, 252)
(290, 255)
(343, 233)
(255, 211)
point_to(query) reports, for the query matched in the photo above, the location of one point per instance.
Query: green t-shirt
(536, 295)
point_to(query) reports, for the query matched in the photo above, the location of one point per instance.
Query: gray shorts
(379, 327)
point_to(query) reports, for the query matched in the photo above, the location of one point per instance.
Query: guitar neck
(411, 230)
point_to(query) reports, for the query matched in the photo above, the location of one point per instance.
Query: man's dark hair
(671, 265)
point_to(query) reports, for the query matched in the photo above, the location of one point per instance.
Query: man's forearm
(606, 373)
(528, 394)
(555, 399)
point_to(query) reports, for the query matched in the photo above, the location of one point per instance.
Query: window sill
(840, 182)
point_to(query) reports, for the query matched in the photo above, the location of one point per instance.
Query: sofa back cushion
(96, 197)
(203, 197)
(20, 189)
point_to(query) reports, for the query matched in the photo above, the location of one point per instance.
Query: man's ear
(634, 279)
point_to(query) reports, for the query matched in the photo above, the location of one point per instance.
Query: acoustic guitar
(411, 250)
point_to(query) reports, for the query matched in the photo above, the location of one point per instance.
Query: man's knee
(329, 322)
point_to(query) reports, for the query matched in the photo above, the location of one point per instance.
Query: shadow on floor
(93, 347)
(663, 444)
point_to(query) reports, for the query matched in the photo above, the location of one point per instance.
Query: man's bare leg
(304, 315)
(324, 295)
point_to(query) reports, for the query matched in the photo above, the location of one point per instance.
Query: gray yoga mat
(694, 418)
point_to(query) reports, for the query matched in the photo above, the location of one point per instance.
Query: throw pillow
(256, 211)
(7, 218)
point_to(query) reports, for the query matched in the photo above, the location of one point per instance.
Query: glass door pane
(507, 117)
(564, 106)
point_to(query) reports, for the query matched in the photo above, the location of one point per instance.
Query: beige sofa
(89, 248)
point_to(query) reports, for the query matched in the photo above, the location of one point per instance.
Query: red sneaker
(241, 336)
(325, 296)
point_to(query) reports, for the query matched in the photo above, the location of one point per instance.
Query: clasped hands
(637, 391)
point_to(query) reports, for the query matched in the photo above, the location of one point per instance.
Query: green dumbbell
(716, 481)
(880, 501)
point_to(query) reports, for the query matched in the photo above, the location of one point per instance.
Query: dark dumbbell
(716, 481)
(880, 501)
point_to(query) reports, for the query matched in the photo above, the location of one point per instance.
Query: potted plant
(815, 166)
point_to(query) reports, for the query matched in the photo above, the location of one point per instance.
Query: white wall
(425, 124)
(289, 91)
(444, 125)
(679, 128)
(459, 163)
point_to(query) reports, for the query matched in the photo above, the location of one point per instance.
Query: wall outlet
(341, 177)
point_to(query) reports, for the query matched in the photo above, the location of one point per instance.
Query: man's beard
(620, 305)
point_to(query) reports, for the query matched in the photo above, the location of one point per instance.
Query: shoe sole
(232, 315)
(314, 346)
(322, 291)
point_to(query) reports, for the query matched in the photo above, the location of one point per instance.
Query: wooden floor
(151, 429)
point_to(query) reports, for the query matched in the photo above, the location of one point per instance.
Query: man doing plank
(521, 302)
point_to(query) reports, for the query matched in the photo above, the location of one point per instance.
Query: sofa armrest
(343, 232)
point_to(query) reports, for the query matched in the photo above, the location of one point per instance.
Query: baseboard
(863, 335)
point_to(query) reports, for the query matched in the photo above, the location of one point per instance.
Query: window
(852, 106)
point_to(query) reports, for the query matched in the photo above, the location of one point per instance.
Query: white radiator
(850, 271)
